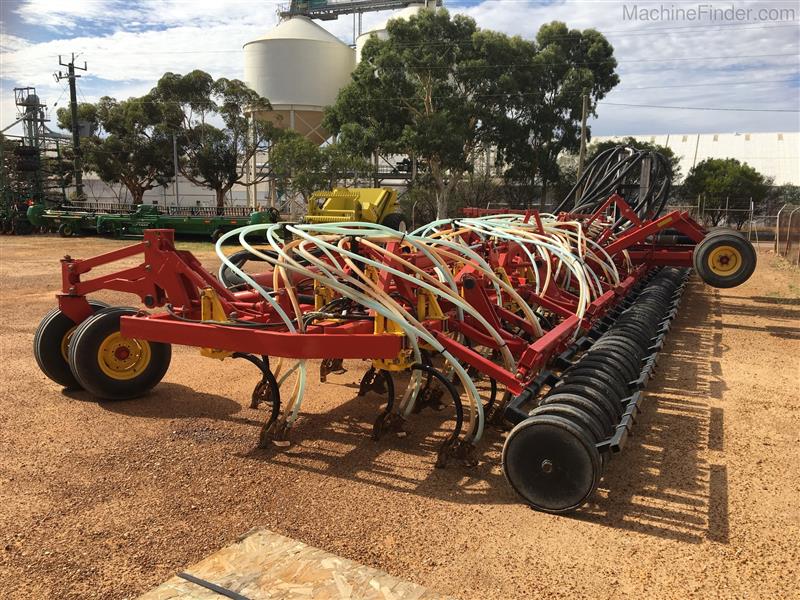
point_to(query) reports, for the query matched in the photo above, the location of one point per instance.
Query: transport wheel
(552, 463)
(394, 221)
(723, 230)
(724, 260)
(216, 234)
(51, 341)
(66, 230)
(111, 366)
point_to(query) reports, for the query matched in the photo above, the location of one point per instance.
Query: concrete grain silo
(299, 67)
(379, 30)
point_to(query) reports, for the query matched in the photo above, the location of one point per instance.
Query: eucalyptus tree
(217, 138)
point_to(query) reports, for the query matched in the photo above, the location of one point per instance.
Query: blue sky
(672, 58)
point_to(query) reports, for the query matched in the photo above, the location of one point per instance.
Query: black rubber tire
(581, 418)
(617, 356)
(629, 352)
(595, 391)
(66, 230)
(21, 226)
(610, 367)
(723, 230)
(740, 273)
(574, 398)
(47, 345)
(394, 221)
(216, 234)
(634, 333)
(603, 371)
(84, 361)
(551, 463)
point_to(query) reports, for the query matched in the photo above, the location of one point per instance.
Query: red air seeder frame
(170, 276)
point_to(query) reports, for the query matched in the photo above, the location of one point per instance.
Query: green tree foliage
(297, 165)
(216, 137)
(785, 194)
(722, 183)
(440, 89)
(409, 96)
(302, 167)
(131, 146)
(87, 113)
(545, 105)
(341, 165)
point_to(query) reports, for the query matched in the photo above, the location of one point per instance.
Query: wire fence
(787, 233)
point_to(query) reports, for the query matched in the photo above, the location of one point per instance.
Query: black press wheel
(724, 260)
(394, 221)
(51, 341)
(552, 463)
(66, 230)
(579, 417)
(111, 366)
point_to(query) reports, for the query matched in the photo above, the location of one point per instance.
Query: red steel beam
(260, 341)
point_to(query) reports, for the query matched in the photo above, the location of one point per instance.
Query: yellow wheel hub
(123, 358)
(724, 260)
(65, 343)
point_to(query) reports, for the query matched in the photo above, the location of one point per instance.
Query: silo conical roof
(300, 28)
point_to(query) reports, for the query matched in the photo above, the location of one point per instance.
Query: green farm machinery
(127, 221)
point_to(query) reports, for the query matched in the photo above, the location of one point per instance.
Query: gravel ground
(106, 500)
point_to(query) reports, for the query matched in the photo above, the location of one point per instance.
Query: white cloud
(143, 40)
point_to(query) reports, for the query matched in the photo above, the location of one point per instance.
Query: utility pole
(73, 106)
(175, 165)
(584, 111)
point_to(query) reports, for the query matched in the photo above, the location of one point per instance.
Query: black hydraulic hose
(619, 170)
(242, 257)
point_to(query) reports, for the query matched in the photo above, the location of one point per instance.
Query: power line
(781, 110)
(584, 63)
(688, 85)
(674, 30)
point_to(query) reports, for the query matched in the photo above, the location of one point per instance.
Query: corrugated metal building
(775, 155)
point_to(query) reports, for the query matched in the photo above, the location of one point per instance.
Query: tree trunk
(441, 202)
(441, 190)
(137, 196)
(220, 193)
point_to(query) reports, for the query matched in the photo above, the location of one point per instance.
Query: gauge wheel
(111, 366)
(51, 343)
